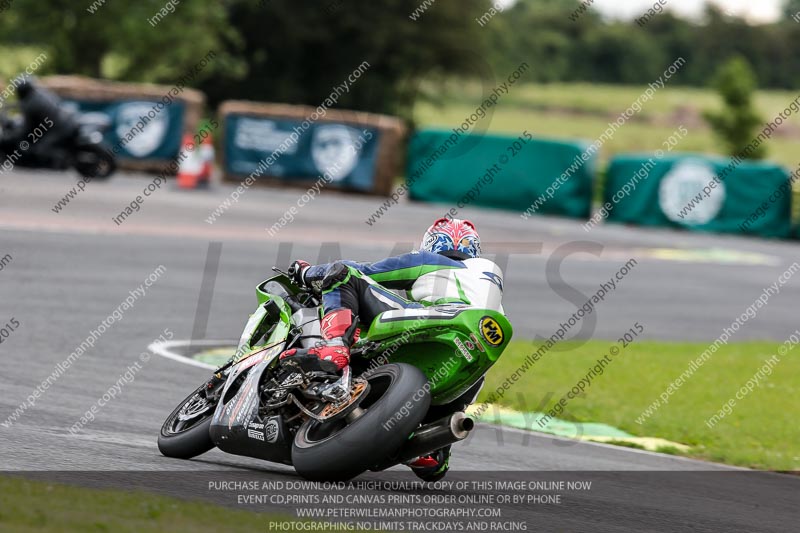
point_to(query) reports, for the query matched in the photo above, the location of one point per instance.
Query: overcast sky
(753, 10)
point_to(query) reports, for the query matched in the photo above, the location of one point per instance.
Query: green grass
(762, 431)
(581, 110)
(614, 98)
(27, 506)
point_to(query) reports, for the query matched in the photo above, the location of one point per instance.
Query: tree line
(295, 51)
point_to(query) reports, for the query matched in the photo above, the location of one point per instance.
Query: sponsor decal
(682, 185)
(253, 358)
(327, 321)
(491, 331)
(494, 278)
(253, 434)
(250, 360)
(255, 425)
(441, 312)
(449, 309)
(262, 135)
(150, 137)
(334, 150)
(477, 342)
(463, 350)
(243, 397)
(271, 430)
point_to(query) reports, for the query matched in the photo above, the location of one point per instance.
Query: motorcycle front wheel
(95, 161)
(185, 431)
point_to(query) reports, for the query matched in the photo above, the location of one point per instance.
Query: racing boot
(337, 333)
(433, 467)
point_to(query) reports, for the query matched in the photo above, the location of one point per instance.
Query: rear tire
(186, 439)
(341, 450)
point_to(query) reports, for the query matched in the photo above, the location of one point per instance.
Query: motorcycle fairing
(236, 427)
(450, 343)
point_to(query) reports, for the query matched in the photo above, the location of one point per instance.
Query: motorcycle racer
(448, 268)
(41, 107)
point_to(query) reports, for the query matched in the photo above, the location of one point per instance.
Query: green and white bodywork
(454, 344)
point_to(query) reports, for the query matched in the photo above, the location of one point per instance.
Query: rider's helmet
(25, 87)
(452, 237)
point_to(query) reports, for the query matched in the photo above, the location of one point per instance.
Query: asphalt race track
(70, 270)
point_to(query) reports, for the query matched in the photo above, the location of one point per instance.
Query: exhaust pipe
(435, 435)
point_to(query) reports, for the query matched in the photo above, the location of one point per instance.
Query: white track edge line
(164, 349)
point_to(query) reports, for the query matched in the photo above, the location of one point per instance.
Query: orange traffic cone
(191, 164)
(207, 157)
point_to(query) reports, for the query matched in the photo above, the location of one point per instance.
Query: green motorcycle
(401, 397)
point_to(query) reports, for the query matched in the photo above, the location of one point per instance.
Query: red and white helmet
(452, 235)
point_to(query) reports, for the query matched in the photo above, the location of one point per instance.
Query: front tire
(398, 397)
(185, 433)
(95, 161)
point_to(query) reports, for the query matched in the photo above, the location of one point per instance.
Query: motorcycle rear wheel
(397, 401)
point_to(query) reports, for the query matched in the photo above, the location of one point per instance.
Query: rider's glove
(297, 270)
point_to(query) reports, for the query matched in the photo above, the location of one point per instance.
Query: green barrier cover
(499, 171)
(140, 129)
(679, 191)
